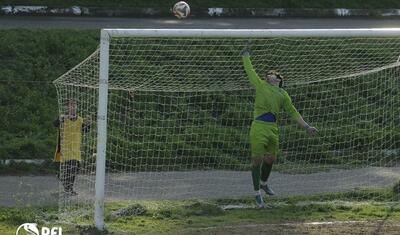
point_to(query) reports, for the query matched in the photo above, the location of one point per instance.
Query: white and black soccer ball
(181, 10)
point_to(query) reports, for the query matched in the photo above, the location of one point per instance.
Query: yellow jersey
(70, 139)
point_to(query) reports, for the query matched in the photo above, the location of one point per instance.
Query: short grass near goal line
(196, 216)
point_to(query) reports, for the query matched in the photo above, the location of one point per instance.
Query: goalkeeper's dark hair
(278, 75)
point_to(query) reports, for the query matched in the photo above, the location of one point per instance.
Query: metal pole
(249, 33)
(101, 131)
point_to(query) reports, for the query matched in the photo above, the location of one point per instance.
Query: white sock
(263, 183)
(257, 192)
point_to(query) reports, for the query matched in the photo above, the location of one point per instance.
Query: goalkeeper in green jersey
(270, 98)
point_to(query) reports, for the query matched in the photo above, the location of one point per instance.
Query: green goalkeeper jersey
(269, 98)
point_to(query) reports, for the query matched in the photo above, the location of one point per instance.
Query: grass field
(292, 215)
(53, 52)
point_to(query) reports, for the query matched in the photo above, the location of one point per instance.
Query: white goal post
(103, 83)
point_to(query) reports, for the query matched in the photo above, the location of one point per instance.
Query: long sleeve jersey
(269, 98)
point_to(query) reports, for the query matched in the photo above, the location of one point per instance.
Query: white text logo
(32, 229)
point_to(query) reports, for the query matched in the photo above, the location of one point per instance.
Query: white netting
(179, 112)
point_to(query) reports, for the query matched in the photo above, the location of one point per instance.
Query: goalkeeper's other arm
(310, 129)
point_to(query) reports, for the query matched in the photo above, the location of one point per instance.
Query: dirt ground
(334, 228)
(43, 190)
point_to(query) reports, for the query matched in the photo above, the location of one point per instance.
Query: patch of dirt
(333, 228)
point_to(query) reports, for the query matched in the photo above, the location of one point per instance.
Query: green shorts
(264, 139)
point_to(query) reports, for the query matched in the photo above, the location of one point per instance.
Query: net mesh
(180, 109)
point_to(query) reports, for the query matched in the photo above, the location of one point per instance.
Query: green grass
(175, 216)
(218, 3)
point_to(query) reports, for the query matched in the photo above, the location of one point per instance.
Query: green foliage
(29, 61)
(181, 130)
(131, 210)
(17, 216)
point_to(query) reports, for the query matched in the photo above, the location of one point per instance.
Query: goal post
(253, 33)
(102, 130)
(174, 108)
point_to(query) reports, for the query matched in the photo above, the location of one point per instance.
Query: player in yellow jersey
(270, 98)
(68, 153)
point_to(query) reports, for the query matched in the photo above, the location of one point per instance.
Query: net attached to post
(179, 112)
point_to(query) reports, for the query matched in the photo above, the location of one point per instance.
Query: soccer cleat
(259, 201)
(267, 189)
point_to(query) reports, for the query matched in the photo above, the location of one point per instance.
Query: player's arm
(58, 121)
(87, 124)
(248, 67)
(310, 129)
(295, 115)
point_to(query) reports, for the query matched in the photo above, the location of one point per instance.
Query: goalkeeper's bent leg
(255, 173)
(266, 168)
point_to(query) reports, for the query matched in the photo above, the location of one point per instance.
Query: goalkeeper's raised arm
(248, 67)
(270, 98)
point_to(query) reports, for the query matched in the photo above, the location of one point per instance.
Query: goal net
(180, 106)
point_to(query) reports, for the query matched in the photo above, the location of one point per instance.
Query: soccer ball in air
(181, 10)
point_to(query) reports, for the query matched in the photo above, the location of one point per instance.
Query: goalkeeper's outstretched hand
(311, 130)
(246, 51)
